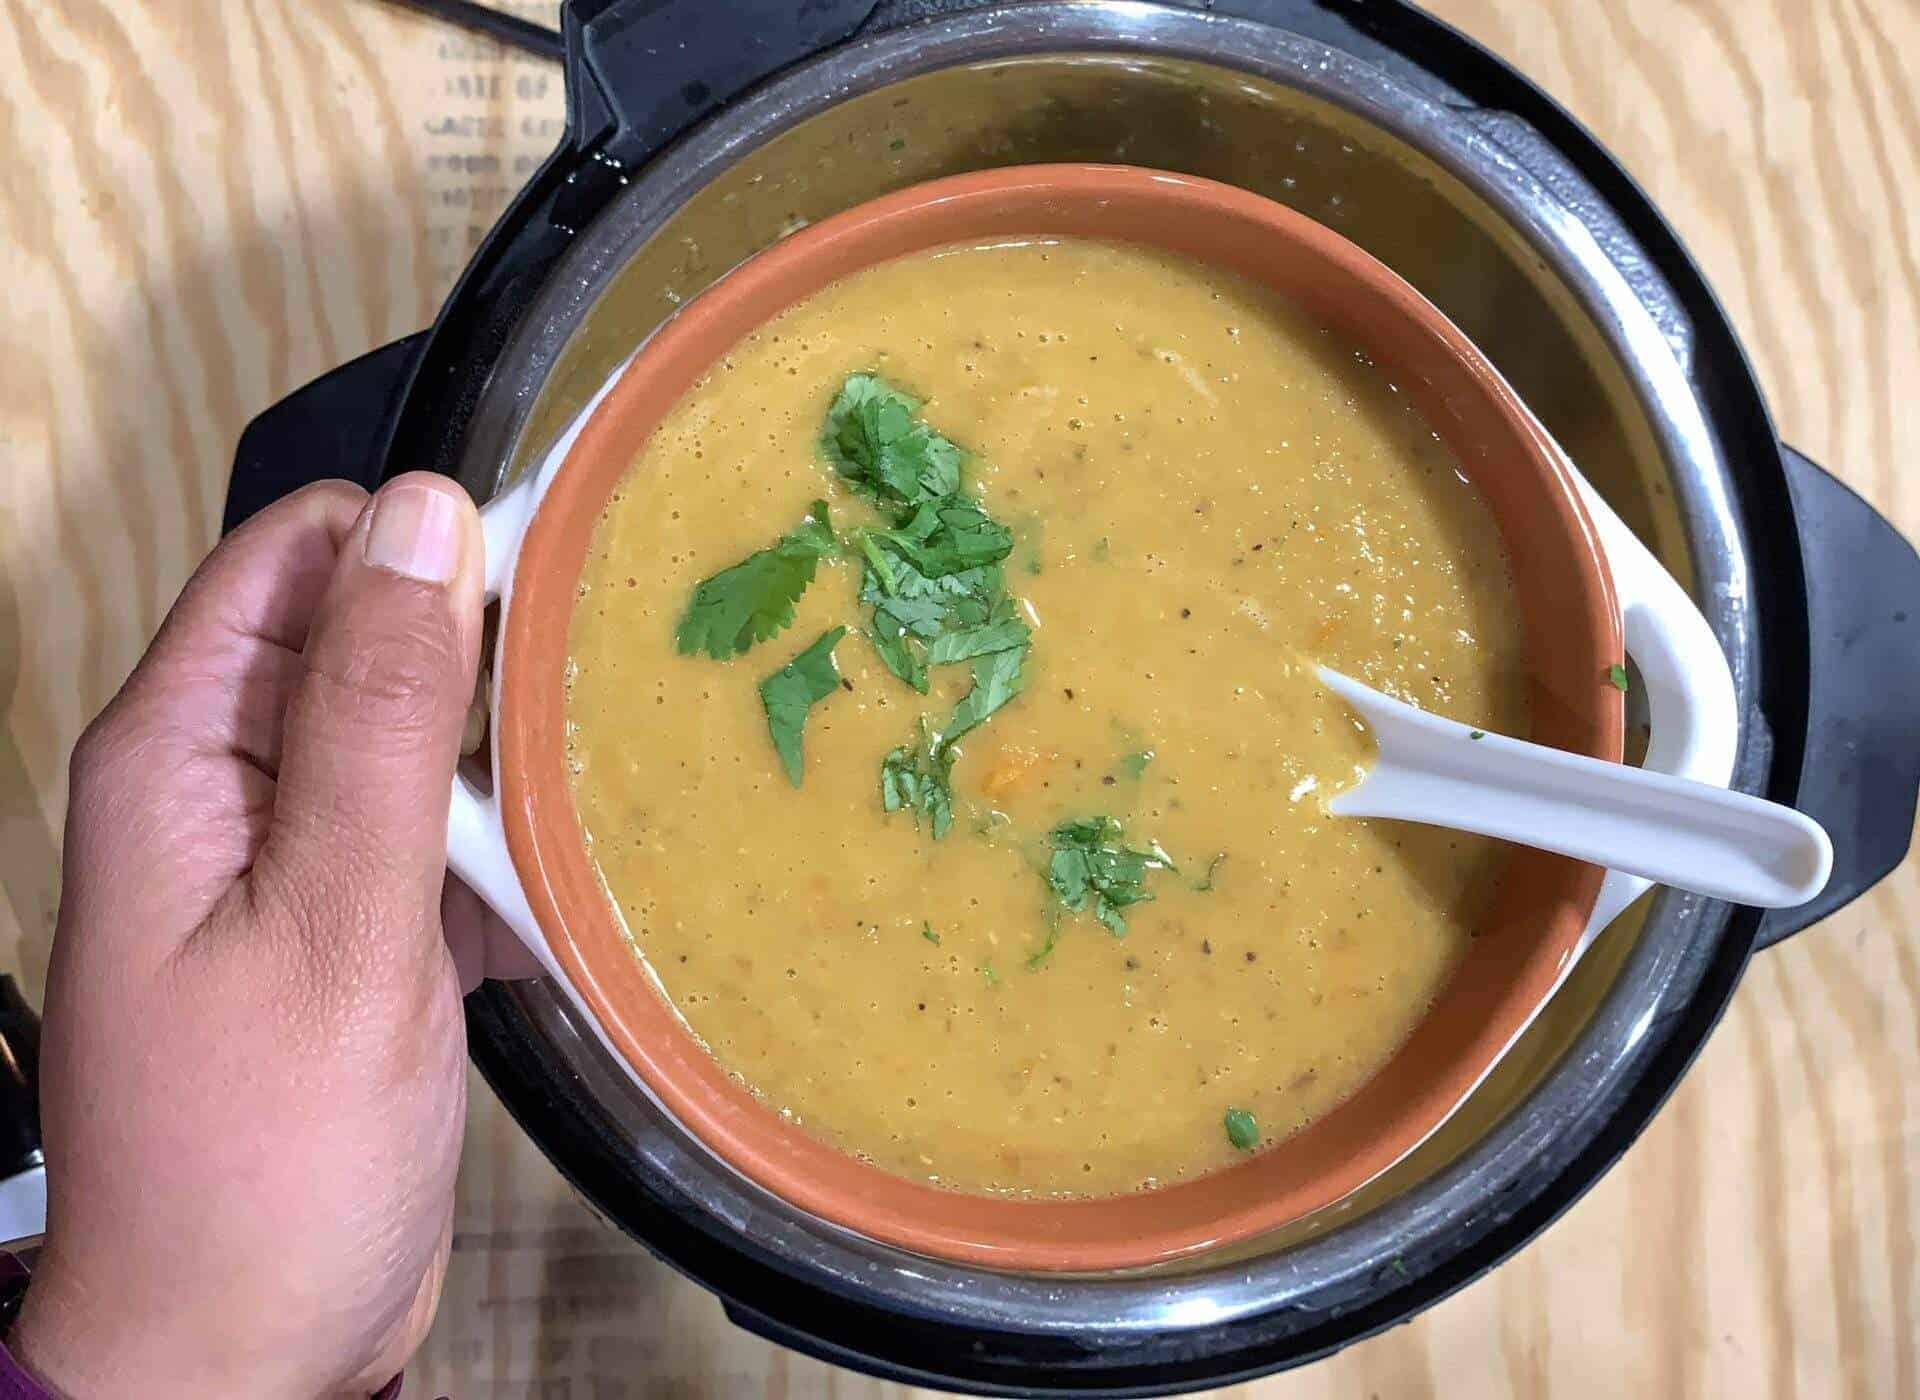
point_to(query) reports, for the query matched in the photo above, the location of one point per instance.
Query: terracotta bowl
(1573, 633)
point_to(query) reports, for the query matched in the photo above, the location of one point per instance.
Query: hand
(253, 1085)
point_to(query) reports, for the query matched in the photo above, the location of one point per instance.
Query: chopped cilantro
(880, 448)
(1477, 734)
(918, 778)
(1242, 1131)
(897, 144)
(996, 680)
(1038, 957)
(933, 577)
(986, 971)
(889, 634)
(1205, 883)
(1091, 869)
(794, 689)
(1002, 631)
(754, 599)
(948, 536)
(1134, 764)
(905, 624)
(1618, 675)
(936, 591)
(926, 932)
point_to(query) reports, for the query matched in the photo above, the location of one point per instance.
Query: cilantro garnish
(932, 577)
(1134, 764)
(918, 778)
(947, 536)
(986, 971)
(880, 448)
(1091, 869)
(1038, 957)
(1618, 675)
(754, 599)
(996, 680)
(1002, 631)
(935, 586)
(926, 932)
(1205, 884)
(795, 689)
(1242, 1130)
(1476, 734)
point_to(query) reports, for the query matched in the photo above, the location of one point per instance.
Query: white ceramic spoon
(1689, 835)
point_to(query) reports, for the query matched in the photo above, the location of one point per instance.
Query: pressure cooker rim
(1616, 1054)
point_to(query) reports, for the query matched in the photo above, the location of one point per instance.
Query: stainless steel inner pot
(1462, 204)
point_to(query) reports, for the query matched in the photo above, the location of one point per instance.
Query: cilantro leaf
(875, 443)
(1092, 870)
(1133, 765)
(916, 613)
(1243, 1131)
(918, 778)
(793, 690)
(899, 655)
(754, 599)
(1038, 957)
(997, 679)
(926, 932)
(932, 578)
(948, 536)
(1618, 675)
(1205, 884)
(1000, 632)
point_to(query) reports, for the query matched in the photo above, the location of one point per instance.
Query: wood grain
(208, 202)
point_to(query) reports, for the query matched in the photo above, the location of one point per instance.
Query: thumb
(373, 726)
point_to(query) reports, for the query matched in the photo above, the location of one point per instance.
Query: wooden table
(207, 202)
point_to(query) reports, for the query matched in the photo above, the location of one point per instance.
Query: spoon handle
(1690, 835)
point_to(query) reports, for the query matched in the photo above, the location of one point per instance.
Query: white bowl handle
(1692, 715)
(476, 840)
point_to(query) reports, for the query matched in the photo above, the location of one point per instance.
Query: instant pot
(699, 131)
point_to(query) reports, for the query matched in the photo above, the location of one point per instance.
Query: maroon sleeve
(15, 1384)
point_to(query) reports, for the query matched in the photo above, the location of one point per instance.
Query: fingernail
(416, 532)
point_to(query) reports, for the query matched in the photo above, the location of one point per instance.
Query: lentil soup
(1101, 934)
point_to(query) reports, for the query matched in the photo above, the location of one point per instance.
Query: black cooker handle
(23, 1180)
(337, 426)
(19, 1081)
(640, 74)
(1862, 763)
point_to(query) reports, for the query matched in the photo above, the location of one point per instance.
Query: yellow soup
(1206, 495)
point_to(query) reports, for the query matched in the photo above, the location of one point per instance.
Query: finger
(266, 578)
(220, 670)
(373, 727)
(161, 794)
(481, 943)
